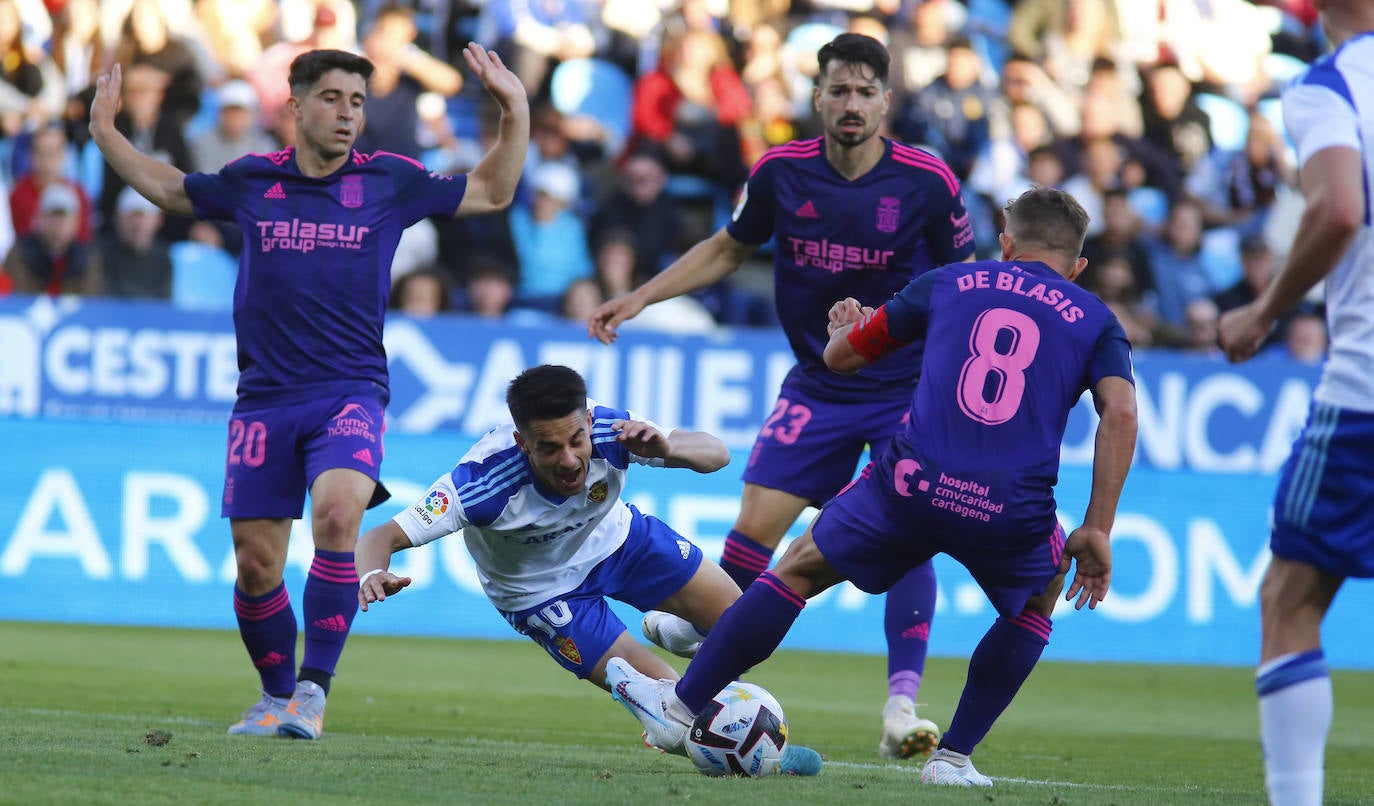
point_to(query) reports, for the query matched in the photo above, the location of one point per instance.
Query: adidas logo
(364, 456)
(269, 660)
(334, 623)
(807, 210)
(275, 192)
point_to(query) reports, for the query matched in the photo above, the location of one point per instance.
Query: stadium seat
(810, 36)
(202, 277)
(1229, 121)
(1282, 68)
(1221, 256)
(206, 117)
(598, 89)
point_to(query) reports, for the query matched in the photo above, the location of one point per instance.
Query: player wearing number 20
(1011, 345)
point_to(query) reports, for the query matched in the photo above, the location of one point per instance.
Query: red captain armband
(870, 338)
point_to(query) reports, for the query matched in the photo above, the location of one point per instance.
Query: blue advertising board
(111, 418)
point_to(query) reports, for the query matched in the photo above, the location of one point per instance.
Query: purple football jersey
(315, 272)
(837, 238)
(1010, 348)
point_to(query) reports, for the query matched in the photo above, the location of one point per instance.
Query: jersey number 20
(993, 379)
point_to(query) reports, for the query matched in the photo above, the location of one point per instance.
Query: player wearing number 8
(1011, 345)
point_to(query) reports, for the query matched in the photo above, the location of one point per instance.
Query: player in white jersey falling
(538, 503)
(1323, 525)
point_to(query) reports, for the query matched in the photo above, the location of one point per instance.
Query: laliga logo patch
(598, 492)
(568, 649)
(436, 502)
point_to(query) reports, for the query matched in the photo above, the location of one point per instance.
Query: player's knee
(335, 526)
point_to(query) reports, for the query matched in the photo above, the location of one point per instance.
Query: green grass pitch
(84, 712)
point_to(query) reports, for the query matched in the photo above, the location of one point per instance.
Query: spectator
(1200, 324)
(142, 121)
(549, 142)
(919, 49)
(1120, 236)
(236, 132)
(1025, 82)
(78, 50)
(235, 31)
(550, 240)
(301, 21)
(693, 104)
(422, 293)
(136, 263)
(331, 30)
(641, 205)
(580, 300)
(1177, 268)
(534, 37)
(1257, 265)
(48, 156)
(1305, 338)
(50, 260)
(1114, 283)
(1174, 123)
(490, 287)
(1067, 36)
(1239, 189)
(1100, 172)
(145, 38)
(402, 72)
(22, 79)
(951, 115)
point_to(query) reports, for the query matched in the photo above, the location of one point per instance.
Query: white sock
(898, 703)
(678, 635)
(1295, 719)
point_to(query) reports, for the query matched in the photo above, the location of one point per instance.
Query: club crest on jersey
(597, 494)
(351, 191)
(568, 649)
(889, 211)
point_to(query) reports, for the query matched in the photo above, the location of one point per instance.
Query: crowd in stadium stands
(1160, 116)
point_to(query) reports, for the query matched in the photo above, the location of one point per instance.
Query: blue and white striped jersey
(1332, 105)
(529, 545)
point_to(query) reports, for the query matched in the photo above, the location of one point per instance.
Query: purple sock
(268, 628)
(331, 602)
(1000, 664)
(746, 634)
(744, 559)
(906, 621)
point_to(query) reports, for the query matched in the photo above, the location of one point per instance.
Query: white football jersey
(529, 544)
(1332, 104)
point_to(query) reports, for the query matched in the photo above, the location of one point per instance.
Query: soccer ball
(742, 731)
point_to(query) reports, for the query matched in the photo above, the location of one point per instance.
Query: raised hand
(845, 312)
(503, 85)
(105, 104)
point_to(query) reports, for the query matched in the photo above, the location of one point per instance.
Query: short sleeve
(1318, 113)
(948, 228)
(421, 193)
(1111, 356)
(605, 442)
(908, 312)
(212, 195)
(752, 220)
(436, 514)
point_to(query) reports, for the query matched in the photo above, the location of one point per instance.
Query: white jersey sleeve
(1317, 117)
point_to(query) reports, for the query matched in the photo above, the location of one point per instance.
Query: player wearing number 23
(1011, 345)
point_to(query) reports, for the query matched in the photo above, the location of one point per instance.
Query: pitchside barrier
(112, 426)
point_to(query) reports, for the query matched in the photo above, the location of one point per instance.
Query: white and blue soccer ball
(742, 731)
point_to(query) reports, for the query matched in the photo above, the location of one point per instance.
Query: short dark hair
(855, 49)
(545, 392)
(307, 68)
(1050, 218)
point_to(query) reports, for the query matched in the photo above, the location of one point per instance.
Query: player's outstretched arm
(704, 264)
(372, 556)
(491, 184)
(696, 450)
(159, 182)
(1333, 187)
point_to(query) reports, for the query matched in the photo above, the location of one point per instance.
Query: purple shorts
(275, 454)
(809, 447)
(874, 532)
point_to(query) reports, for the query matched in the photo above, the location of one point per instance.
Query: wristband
(369, 574)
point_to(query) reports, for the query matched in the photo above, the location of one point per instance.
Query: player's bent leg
(1294, 598)
(637, 655)
(701, 601)
(652, 702)
(907, 615)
